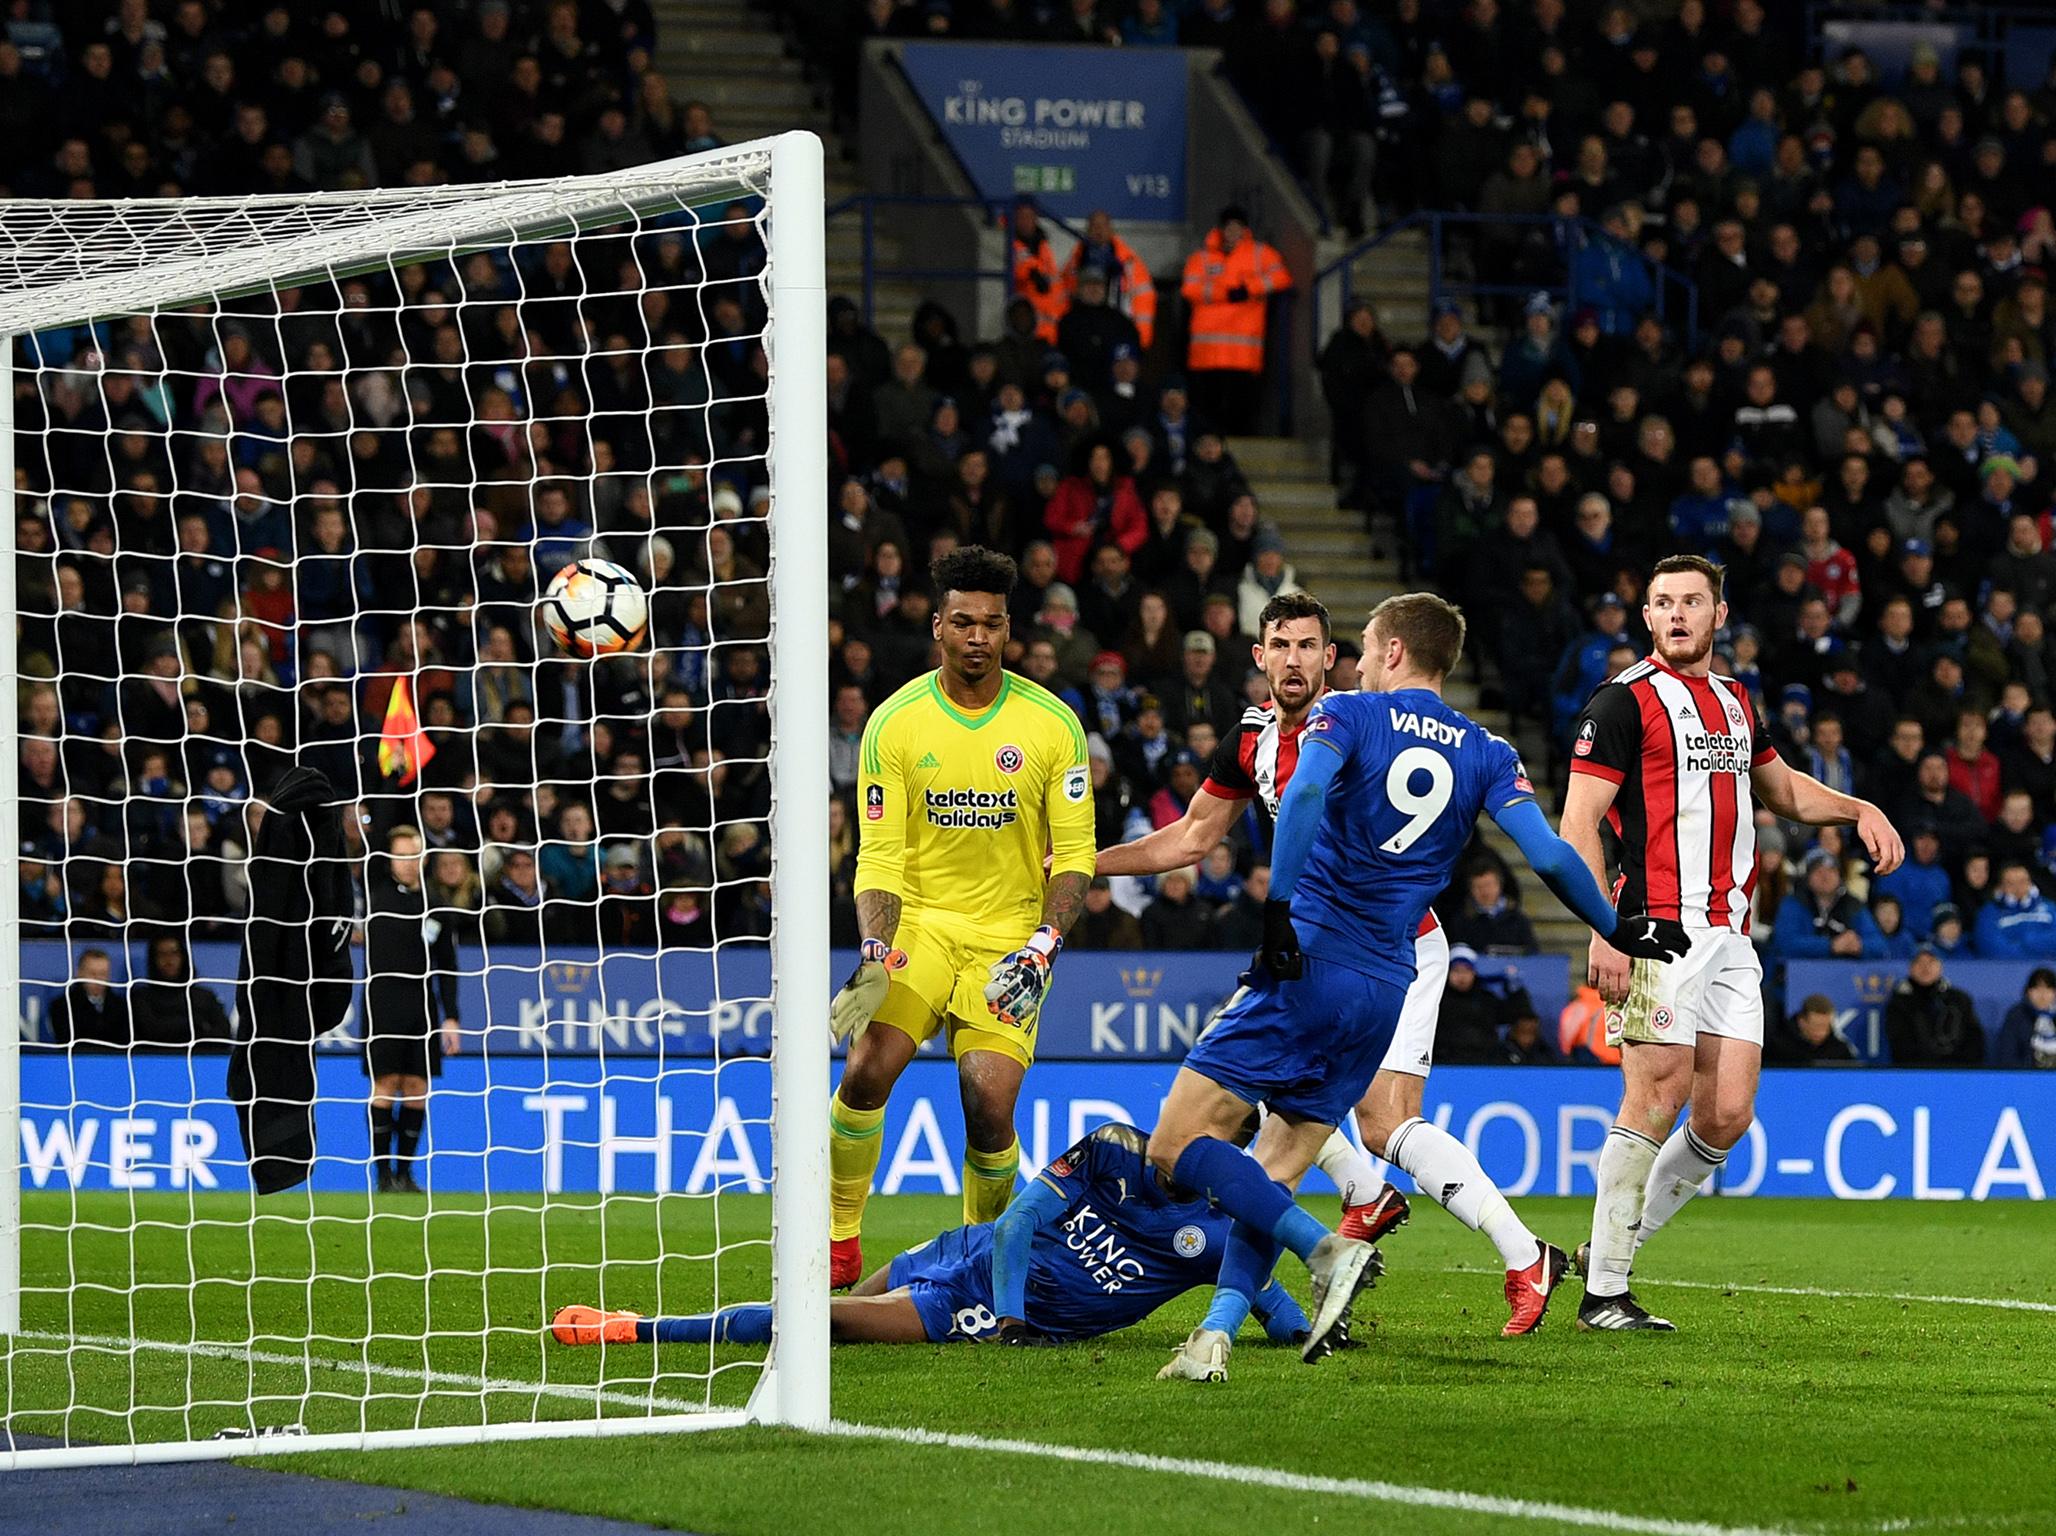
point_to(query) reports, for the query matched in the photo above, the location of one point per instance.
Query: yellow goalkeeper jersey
(956, 810)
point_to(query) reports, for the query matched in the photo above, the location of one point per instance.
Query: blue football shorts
(949, 1280)
(1307, 1048)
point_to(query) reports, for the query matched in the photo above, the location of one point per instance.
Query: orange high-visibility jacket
(1037, 280)
(1583, 1023)
(1229, 333)
(1133, 289)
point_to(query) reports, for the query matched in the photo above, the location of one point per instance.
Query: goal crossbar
(67, 262)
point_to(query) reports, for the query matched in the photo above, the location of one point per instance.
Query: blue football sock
(1246, 1267)
(1238, 1184)
(731, 1325)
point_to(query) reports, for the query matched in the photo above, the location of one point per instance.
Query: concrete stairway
(1394, 277)
(732, 56)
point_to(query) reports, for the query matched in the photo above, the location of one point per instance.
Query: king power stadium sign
(1075, 128)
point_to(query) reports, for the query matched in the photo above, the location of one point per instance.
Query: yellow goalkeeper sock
(854, 1142)
(989, 1181)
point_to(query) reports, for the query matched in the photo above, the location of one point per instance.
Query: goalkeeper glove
(1642, 937)
(1280, 954)
(864, 993)
(1014, 995)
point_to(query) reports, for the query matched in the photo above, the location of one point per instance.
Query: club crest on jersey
(1586, 733)
(1661, 1019)
(1735, 717)
(1189, 1242)
(1008, 759)
(874, 803)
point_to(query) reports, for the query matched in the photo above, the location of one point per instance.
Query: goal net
(508, 966)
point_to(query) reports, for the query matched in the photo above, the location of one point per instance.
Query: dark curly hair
(1287, 606)
(974, 569)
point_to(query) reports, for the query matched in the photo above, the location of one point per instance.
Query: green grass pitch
(1867, 1411)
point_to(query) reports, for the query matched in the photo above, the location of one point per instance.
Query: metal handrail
(1000, 210)
(1440, 285)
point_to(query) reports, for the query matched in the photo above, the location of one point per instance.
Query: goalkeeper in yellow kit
(970, 776)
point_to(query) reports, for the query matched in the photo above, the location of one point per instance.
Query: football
(595, 608)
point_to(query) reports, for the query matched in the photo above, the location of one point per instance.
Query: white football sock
(1342, 1160)
(1684, 1164)
(1624, 1165)
(1449, 1174)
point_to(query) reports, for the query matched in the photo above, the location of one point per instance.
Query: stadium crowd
(238, 530)
(223, 507)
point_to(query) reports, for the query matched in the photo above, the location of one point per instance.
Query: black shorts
(397, 1053)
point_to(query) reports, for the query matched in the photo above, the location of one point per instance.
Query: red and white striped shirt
(1679, 751)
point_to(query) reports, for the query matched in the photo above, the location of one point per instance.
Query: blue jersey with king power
(1122, 1247)
(1415, 774)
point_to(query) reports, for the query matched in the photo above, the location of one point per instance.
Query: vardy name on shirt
(1431, 728)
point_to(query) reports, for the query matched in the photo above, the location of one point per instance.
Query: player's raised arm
(1510, 801)
(1802, 798)
(1565, 871)
(1185, 841)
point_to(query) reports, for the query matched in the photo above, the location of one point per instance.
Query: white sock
(1446, 1171)
(1624, 1165)
(1342, 1160)
(1684, 1164)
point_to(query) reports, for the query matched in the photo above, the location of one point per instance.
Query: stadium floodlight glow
(154, 1308)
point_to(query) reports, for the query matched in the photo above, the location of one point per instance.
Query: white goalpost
(286, 477)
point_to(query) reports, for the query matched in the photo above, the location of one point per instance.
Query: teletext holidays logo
(1040, 122)
(1714, 752)
(974, 810)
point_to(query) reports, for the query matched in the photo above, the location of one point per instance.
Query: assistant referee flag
(402, 747)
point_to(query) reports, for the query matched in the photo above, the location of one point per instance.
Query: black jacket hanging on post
(295, 980)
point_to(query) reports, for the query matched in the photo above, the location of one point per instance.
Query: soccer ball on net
(595, 608)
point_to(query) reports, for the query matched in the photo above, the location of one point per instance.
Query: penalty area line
(1658, 1282)
(1301, 1482)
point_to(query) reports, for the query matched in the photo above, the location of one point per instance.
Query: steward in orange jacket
(1581, 1029)
(1131, 289)
(1036, 277)
(1227, 281)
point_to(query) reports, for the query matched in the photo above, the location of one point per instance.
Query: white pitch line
(2003, 1303)
(1300, 1482)
(422, 1374)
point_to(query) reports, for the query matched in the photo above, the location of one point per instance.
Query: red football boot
(1528, 1290)
(845, 1262)
(1368, 1222)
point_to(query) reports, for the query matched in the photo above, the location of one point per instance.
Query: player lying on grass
(1388, 787)
(1254, 762)
(1093, 1243)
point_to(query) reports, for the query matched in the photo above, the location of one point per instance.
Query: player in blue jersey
(1093, 1243)
(1389, 783)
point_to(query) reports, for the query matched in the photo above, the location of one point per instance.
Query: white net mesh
(291, 475)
